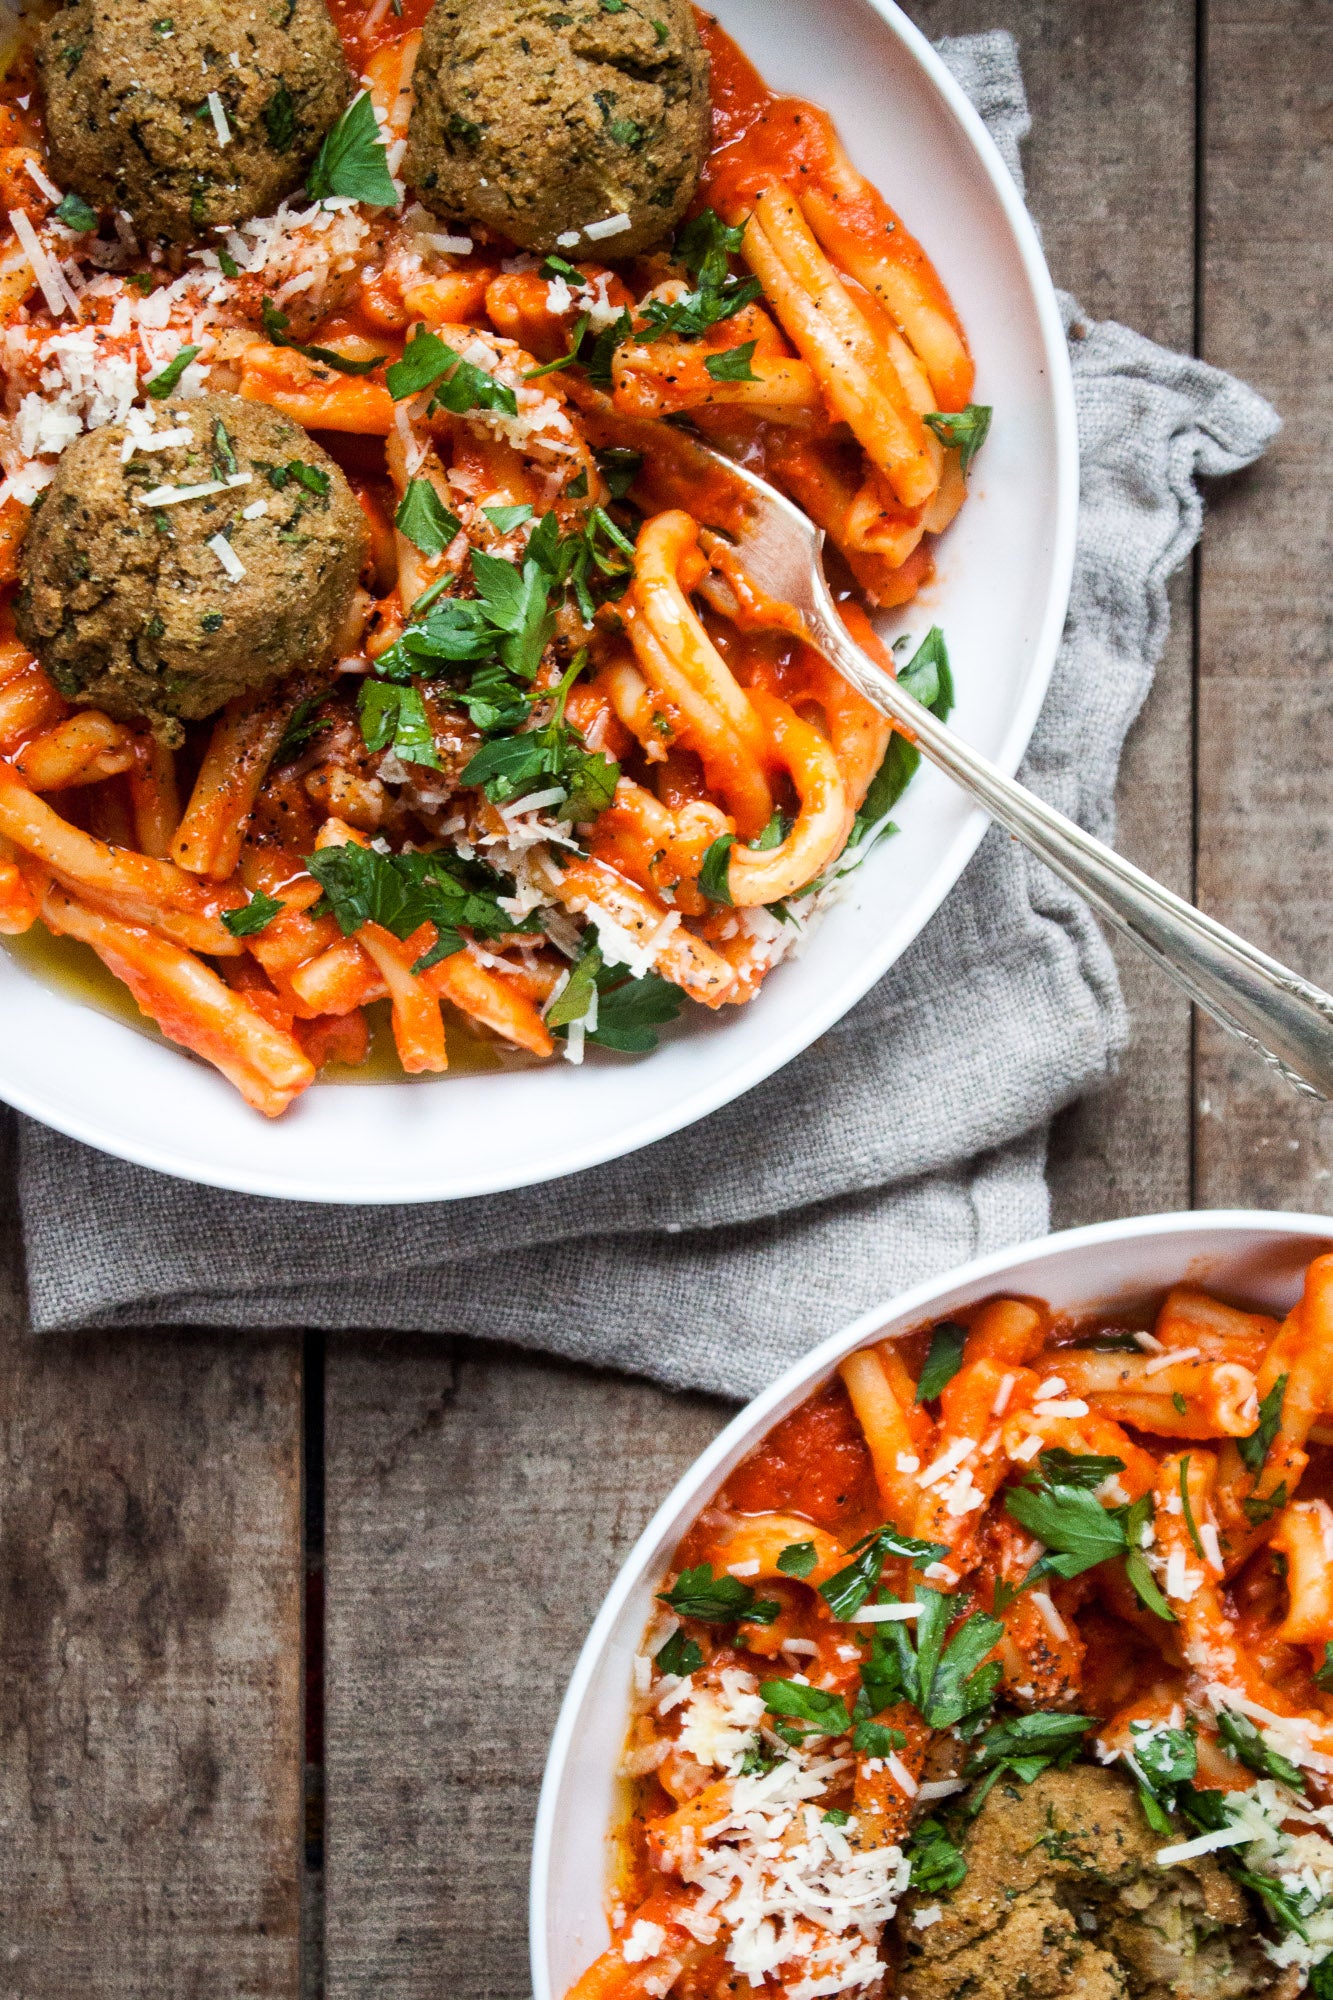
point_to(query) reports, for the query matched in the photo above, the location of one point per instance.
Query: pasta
(564, 768)
(971, 1557)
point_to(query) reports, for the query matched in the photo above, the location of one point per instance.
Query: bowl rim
(278, 1180)
(750, 1424)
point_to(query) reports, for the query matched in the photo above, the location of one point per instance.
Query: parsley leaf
(1077, 1468)
(1254, 1449)
(505, 519)
(254, 916)
(275, 327)
(943, 1361)
(75, 213)
(629, 1012)
(732, 364)
(1261, 1507)
(1024, 1745)
(352, 160)
(1078, 1532)
(964, 429)
(1244, 1741)
(430, 363)
(404, 891)
(1166, 1757)
(619, 467)
(393, 717)
(279, 116)
(166, 379)
(424, 518)
(703, 247)
(872, 1739)
(797, 1559)
(300, 729)
(573, 1003)
(1188, 1509)
(1290, 1907)
(715, 868)
(944, 1682)
(1323, 1677)
(827, 1712)
(846, 1592)
(938, 1865)
(927, 676)
(716, 1600)
(680, 1655)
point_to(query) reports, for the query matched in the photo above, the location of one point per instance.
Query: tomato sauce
(814, 1462)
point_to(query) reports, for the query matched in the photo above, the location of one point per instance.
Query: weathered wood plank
(149, 1660)
(1265, 710)
(478, 1506)
(1112, 97)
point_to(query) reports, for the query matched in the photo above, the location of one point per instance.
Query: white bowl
(1251, 1257)
(1000, 596)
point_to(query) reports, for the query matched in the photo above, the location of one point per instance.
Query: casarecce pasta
(989, 1569)
(556, 767)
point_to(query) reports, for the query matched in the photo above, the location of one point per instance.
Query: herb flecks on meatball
(189, 116)
(147, 604)
(538, 119)
(1064, 1900)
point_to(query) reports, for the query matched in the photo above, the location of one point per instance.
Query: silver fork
(1284, 1018)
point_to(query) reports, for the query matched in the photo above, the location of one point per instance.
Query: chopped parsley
(714, 870)
(403, 891)
(75, 213)
(352, 160)
(505, 519)
(1243, 1740)
(826, 1713)
(425, 520)
(961, 430)
(275, 327)
(393, 717)
(254, 916)
(717, 1600)
(733, 363)
(944, 1682)
(846, 1592)
(429, 363)
(1255, 1448)
(508, 766)
(680, 1655)
(1024, 1745)
(943, 1361)
(300, 729)
(797, 1559)
(279, 116)
(1078, 1533)
(704, 246)
(629, 1011)
(927, 676)
(166, 379)
(937, 1862)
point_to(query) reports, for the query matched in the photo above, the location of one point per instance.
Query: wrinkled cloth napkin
(911, 1137)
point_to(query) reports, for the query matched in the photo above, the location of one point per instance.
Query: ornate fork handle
(1285, 1018)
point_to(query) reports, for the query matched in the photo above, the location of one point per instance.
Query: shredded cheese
(227, 556)
(218, 113)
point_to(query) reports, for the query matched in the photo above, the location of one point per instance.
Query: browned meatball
(538, 117)
(134, 607)
(129, 121)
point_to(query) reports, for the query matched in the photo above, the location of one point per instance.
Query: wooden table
(186, 1518)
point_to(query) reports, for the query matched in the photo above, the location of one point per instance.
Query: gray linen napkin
(910, 1137)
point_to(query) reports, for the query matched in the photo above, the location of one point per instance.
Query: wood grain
(1112, 94)
(1265, 824)
(149, 1660)
(478, 1506)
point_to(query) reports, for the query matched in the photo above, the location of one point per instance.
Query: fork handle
(1284, 1018)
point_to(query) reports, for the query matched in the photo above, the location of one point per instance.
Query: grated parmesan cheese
(218, 113)
(613, 225)
(227, 556)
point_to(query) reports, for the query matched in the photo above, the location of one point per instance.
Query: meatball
(1064, 1900)
(130, 122)
(128, 603)
(537, 119)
